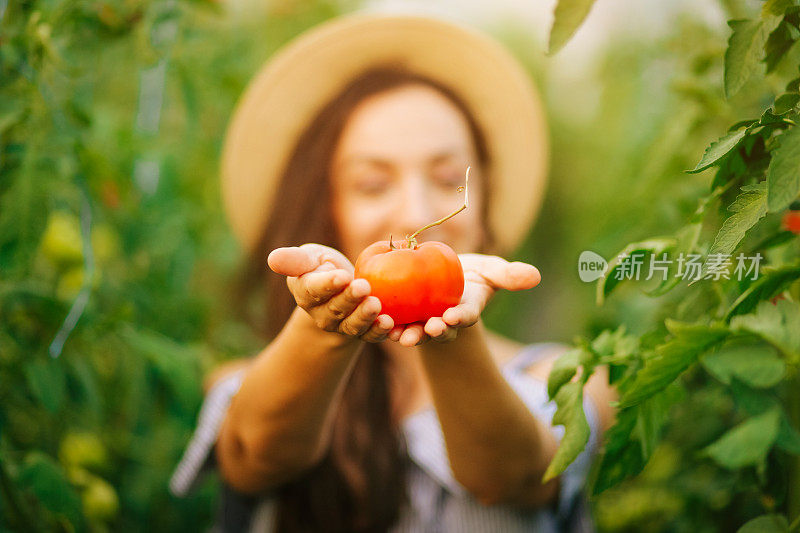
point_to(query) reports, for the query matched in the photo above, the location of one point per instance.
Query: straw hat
(310, 70)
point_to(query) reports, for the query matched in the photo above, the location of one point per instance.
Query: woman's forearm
(280, 421)
(497, 449)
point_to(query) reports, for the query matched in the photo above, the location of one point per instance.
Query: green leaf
(614, 347)
(768, 523)
(177, 365)
(652, 415)
(752, 401)
(9, 118)
(719, 149)
(567, 18)
(785, 103)
(748, 208)
(778, 324)
(672, 358)
(563, 370)
(788, 437)
(746, 50)
(47, 383)
(772, 281)
(747, 443)
(607, 283)
(783, 174)
(757, 365)
(778, 43)
(622, 457)
(756, 402)
(44, 477)
(775, 9)
(686, 243)
(576, 429)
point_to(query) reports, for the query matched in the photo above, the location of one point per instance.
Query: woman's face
(400, 159)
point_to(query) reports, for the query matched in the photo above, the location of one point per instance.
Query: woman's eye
(450, 181)
(376, 186)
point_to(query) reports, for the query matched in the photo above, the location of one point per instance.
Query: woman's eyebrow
(439, 157)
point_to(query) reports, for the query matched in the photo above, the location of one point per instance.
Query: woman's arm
(497, 449)
(279, 422)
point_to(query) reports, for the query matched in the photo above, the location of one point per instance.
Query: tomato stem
(412, 239)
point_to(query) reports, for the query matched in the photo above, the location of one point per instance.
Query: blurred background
(116, 262)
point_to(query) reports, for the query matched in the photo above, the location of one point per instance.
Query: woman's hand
(483, 276)
(321, 280)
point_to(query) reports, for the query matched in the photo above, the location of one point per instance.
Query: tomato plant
(709, 390)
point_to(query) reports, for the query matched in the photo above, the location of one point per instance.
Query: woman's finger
(501, 274)
(463, 315)
(298, 260)
(379, 330)
(438, 331)
(413, 335)
(361, 320)
(396, 332)
(314, 288)
(435, 327)
(329, 314)
(341, 305)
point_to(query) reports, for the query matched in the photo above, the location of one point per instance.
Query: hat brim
(305, 74)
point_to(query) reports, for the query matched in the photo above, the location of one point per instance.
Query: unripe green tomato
(83, 449)
(61, 241)
(100, 500)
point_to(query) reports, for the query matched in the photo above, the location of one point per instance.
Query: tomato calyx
(411, 240)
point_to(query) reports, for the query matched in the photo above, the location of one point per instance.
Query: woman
(358, 130)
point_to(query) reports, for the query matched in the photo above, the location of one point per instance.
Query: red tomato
(413, 284)
(791, 221)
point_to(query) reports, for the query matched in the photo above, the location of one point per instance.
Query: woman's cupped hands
(321, 280)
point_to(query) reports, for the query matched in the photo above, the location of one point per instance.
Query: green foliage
(783, 175)
(715, 378)
(567, 18)
(671, 359)
(766, 524)
(111, 115)
(753, 364)
(777, 324)
(747, 443)
(569, 399)
(719, 149)
(624, 263)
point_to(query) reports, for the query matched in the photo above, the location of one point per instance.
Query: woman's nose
(416, 209)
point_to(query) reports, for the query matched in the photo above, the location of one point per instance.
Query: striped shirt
(438, 502)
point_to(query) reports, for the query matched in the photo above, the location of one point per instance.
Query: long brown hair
(365, 443)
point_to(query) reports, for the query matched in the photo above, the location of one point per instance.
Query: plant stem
(412, 239)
